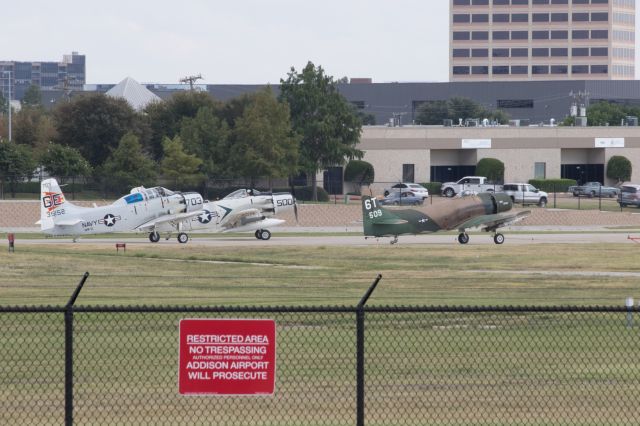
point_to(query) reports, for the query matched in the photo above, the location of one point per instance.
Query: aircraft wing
(491, 222)
(170, 218)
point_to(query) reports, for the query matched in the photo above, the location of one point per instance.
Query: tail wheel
(154, 237)
(265, 234)
(498, 238)
(183, 238)
(463, 238)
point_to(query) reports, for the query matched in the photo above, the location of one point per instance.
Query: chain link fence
(402, 365)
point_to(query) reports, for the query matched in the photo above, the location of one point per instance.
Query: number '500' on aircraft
(143, 210)
(487, 211)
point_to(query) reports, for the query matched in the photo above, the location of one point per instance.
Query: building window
(515, 103)
(559, 35)
(519, 2)
(540, 17)
(408, 173)
(580, 34)
(500, 69)
(479, 35)
(600, 34)
(599, 16)
(519, 52)
(519, 35)
(500, 2)
(519, 69)
(500, 17)
(540, 69)
(460, 70)
(540, 170)
(540, 52)
(580, 51)
(559, 2)
(599, 51)
(602, 2)
(540, 35)
(500, 53)
(580, 17)
(579, 69)
(461, 18)
(460, 53)
(520, 17)
(480, 70)
(540, 2)
(461, 2)
(461, 35)
(500, 35)
(559, 17)
(480, 2)
(559, 51)
(580, 1)
(479, 53)
(599, 69)
(479, 17)
(559, 69)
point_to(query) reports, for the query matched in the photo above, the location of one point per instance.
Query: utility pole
(191, 79)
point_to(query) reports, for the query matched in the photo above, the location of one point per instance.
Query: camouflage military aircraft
(485, 211)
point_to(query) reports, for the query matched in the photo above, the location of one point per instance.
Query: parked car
(469, 183)
(595, 189)
(525, 193)
(402, 198)
(629, 195)
(417, 189)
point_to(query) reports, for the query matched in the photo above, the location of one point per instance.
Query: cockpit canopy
(242, 193)
(152, 193)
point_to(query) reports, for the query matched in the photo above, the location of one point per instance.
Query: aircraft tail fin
(374, 214)
(53, 204)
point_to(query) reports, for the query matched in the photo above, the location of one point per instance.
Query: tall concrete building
(498, 40)
(16, 77)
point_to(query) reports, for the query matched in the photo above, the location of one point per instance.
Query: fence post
(68, 352)
(360, 352)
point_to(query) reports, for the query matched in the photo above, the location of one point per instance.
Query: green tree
(619, 168)
(94, 124)
(63, 162)
(165, 118)
(324, 119)
(128, 166)
(32, 97)
(360, 173)
(491, 168)
(433, 112)
(264, 144)
(16, 163)
(605, 114)
(183, 169)
(460, 107)
(34, 127)
(207, 136)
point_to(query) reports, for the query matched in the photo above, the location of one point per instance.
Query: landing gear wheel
(463, 238)
(265, 234)
(183, 238)
(154, 237)
(257, 234)
(498, 238)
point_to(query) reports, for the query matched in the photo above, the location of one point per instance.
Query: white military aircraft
(241, 211)
(143, 210)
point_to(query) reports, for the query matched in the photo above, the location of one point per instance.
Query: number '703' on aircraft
(143, 210)
(487, 211)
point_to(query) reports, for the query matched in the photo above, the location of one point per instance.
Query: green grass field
(422, 368)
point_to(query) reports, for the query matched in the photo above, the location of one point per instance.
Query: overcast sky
(238, 41)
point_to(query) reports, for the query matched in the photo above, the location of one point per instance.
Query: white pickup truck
(471, 184)
(525, 193)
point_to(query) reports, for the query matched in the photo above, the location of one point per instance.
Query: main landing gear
(463, 238)
(263, 234)
(154, 237)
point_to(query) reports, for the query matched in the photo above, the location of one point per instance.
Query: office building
(67, 75)
(498, 40)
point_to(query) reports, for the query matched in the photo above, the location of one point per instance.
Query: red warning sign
(227, 357)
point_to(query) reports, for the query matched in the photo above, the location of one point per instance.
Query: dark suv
(629, 195)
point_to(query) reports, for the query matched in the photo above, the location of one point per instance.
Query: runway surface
(331, 240)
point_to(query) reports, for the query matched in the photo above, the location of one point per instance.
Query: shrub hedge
(553, 185)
